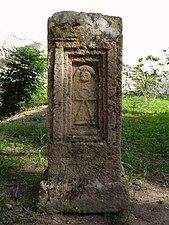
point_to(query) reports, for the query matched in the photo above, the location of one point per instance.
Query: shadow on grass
(18, 196)
(16, 182)
(23, 151)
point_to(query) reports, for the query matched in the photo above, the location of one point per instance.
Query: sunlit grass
(145, 136)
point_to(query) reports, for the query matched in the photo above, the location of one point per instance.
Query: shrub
(148, 75)
(23, 72)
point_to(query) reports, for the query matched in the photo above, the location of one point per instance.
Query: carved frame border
(59, 100)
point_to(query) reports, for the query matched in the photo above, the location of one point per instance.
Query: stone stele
(84, 172)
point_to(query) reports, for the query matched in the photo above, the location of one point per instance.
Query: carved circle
(84, 73)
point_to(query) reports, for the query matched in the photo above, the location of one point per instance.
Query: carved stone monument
(85, 62)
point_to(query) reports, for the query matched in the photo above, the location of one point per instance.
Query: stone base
(93, 198)
(86, 178)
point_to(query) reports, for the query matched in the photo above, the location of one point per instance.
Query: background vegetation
(22, 74)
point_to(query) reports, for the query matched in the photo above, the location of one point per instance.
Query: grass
(23, 150)
(23, 159)
(145, 136)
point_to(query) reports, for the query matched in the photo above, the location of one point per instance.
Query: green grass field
(23, 159)
(145, 136)
(23, 149)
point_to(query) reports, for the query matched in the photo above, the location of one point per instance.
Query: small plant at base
(74, 209)
(46, 207)
(25, 202)
(120, 218)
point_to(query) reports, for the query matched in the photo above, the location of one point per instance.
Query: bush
(22, 74)
(149, 74)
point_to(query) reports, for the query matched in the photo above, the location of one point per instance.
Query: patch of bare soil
(27, 114)
(149, 206)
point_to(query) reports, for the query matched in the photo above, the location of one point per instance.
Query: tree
(23, 72)
(149, 75)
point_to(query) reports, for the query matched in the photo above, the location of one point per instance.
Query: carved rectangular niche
(84, 77)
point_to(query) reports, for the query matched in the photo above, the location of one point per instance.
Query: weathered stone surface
(85, 62)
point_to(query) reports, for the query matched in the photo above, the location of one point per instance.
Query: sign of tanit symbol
(85, 96)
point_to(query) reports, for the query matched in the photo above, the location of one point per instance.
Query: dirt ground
(149, 206)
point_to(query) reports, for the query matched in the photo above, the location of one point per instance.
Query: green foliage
(148, 75)
(23, 73)
(145, 143)
(37, 99)
(120, 218)
(74, 209)
(3, 209)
